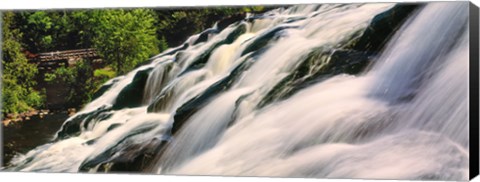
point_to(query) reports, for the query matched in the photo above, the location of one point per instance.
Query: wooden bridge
(49, 60)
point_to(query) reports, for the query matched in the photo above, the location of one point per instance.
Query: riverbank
(22, 136)
(12, 119)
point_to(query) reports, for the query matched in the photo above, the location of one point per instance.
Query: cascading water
(288, 93)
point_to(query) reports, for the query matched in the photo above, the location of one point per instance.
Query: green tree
(78, 79)
(18, 75)
(45, 31)
(125, 38)
(176, 25)
(37, 28)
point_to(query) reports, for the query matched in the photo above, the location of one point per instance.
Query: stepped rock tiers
(375, 91)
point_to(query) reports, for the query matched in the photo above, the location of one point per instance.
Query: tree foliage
(78, 79)
(125, 38)
(18, 75)
(175, 25)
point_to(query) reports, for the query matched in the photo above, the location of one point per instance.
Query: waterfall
(293, 92)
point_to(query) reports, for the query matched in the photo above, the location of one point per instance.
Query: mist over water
(227, 105)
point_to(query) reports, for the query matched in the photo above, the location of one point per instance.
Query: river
(317, 91)
(23, 136)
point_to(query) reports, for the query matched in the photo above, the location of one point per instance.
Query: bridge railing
(65, 55)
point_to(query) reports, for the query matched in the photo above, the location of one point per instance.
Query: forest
(124, 39)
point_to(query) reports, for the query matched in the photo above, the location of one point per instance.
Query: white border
(79, 4)
(62, 4)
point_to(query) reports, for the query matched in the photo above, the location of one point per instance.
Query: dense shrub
(18, 75)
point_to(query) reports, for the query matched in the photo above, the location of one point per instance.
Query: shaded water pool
(23, 136)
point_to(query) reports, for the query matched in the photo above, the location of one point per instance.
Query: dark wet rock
(72, 127)
(180, 58)
(383, 26)
(352, 56)
(163, 74)
(138, 158)
(171, 52)
(237, 107)
(102, 90)
(202, 59)
(203, 37)
(264, 39)
(126, 155)
(350, 61)
(132, 94)
(294, 19)
(192, 106)
(162, 102)
(317, 66)
(222, 24)
(113, 126)
(90, 142)
(241, 29)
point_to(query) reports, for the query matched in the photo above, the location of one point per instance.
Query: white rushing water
(406, 117)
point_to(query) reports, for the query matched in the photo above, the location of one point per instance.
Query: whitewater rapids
(405, 116)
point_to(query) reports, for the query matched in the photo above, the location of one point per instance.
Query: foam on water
(405, 118)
